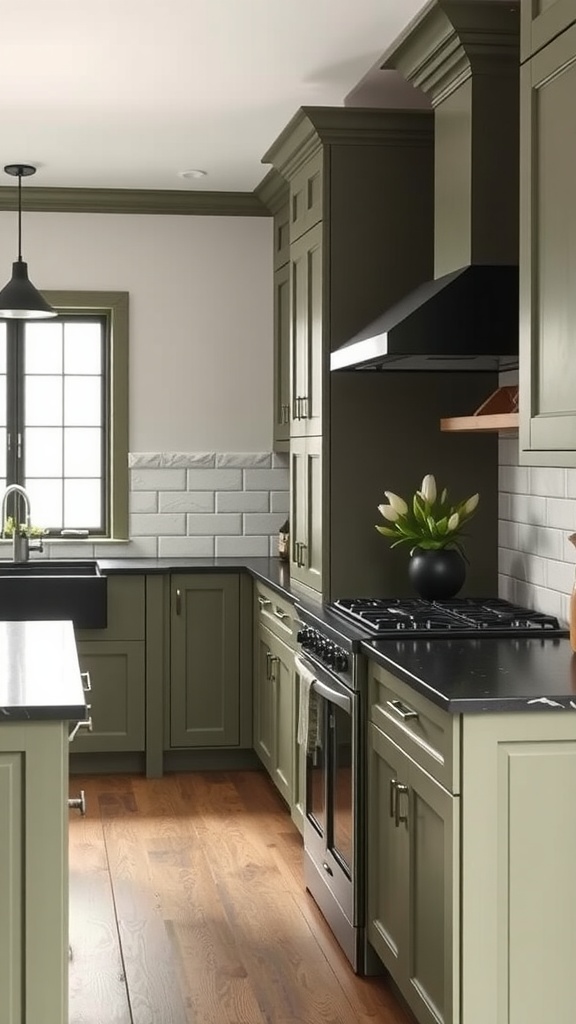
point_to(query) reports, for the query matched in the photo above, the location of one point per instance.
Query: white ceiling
(127, 93)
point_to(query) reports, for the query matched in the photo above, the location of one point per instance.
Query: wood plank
(98, 993)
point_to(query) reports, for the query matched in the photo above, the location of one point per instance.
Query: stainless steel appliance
(329, 655)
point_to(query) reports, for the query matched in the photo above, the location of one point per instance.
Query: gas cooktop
(463, 617)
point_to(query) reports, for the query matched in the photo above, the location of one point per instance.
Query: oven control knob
(341, 662)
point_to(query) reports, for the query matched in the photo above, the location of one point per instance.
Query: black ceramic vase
(437, 575)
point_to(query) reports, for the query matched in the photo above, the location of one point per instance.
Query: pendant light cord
(20, 217)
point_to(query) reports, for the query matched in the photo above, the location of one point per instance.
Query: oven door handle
(340, 699)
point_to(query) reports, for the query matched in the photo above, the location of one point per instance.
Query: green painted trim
(124, 200)
(273, 191)
(157, 670)
(115, 305)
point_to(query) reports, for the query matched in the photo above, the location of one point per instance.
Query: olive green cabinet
(306, 511)
(274, 710)
(115, 659)
(307, 352)
(413, 872)
(282, 358)
(548, 253)
(204, 660)
(34, 872)
(542, 21)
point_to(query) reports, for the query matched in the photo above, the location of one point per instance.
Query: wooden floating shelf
(498, 412)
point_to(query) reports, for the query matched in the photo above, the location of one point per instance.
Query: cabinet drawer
(275, 612)
(426, 733)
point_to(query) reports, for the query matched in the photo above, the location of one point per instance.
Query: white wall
(200, 316)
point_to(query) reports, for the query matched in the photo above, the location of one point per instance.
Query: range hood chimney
(464, 54)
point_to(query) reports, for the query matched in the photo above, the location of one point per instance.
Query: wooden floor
(187, 906)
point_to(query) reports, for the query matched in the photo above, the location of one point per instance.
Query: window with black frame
(60, 417)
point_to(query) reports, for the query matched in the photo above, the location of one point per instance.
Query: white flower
(453, 521)
(471, 504)
(389, 513)
(397, 502)
(429, 488)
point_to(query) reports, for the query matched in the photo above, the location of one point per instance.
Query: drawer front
(430, 736)
(275, 612)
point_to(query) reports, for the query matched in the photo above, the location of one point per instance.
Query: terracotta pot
(437, 575)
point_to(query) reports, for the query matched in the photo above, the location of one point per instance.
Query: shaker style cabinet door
(307, 196)
(117, 696)
(413, 880)
(306, 485)
(548, 256)
(205, 660)
(307, 363)
(541, 21)
(282, 358)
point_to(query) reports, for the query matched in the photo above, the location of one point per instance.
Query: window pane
(82, 504)
(43, 348)
(43, 398)
(43, 451)
(82, 401)
(46, 502)
(82, 451)
(82, 348)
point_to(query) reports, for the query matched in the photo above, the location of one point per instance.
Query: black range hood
(464, 320)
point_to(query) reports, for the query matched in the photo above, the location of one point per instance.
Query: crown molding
(273, 191)
(120, 200)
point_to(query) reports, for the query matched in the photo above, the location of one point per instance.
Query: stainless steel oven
(331, 684)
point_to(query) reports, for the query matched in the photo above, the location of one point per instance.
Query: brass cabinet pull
(178, 602)
(263, 601)
(297, 552)
(284, 414)
(279, 613)
(295, 415)
(400, 790)
(86, 681)
(403, 710)
(305, 413)
(268, 665)
(302, 562)
(273, 663)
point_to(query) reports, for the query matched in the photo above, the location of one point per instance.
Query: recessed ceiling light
(194, 173)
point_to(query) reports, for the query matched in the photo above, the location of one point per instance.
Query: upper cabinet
(274, 193)
(548, 250)
(542, 21)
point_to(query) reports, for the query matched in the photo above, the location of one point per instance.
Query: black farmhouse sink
(53, 589)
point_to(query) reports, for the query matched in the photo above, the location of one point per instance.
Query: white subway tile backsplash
(142, 525)
(570, 483)
(144, 501)
(515, 479)
(186, 501)
(215, 479)
(238, 547)
(561, 513)
(185, 547)
(258, 524)
(550, 483)
(508, 451)
(210, 525)
(508, 534)
(266, 479)
(525, 508)
(197, 504)
(559, 575)
(242, 501)
(158, 479)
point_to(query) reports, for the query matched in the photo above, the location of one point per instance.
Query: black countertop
(39, 672)
(270, 570)
(501, 674)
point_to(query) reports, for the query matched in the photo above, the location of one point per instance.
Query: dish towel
(308, 710)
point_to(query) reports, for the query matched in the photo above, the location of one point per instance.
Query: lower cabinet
(34, 872)
(117, 697)
(205, 660)
(307, 555)
(274, 710)
(413, 878)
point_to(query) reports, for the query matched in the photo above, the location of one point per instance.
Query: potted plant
(433, 527)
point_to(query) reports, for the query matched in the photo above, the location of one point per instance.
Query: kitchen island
(40, 694)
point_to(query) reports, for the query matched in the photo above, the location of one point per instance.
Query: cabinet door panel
(308, 539)
(282, 671)
(548, 252)
(541, 21)
(387, 856)
(307, 196)
(117, 698)
(12, 839)
(205, 661)
(281, 358)
(263, 710)
(307, 362)
(434, 885)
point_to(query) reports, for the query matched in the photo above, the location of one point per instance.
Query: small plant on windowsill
(24, 529)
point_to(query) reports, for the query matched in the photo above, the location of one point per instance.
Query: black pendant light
(19, 299)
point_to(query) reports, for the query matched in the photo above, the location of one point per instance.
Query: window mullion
(15, 402)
